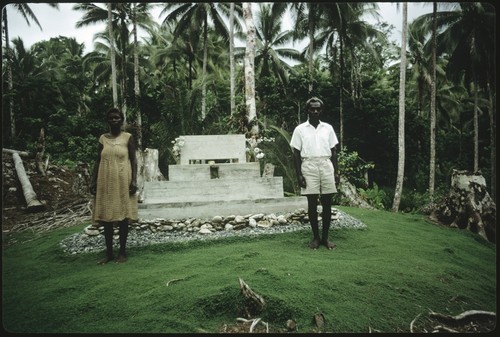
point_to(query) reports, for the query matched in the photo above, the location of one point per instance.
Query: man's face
(314, 110)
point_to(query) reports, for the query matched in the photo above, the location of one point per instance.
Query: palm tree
(271, 43)
(140, 17)
(189, 16)
(28, 15)
(307, 18)
(250, 69)
(401, 129)
(342, 27)
(468, 37)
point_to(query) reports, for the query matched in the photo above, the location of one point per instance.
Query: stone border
(145, 232)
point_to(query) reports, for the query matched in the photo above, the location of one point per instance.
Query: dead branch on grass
(71, 215)
(466, 315)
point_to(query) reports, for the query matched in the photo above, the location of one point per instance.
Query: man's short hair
(313, 99)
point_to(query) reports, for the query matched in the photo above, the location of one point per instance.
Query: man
(316, 165)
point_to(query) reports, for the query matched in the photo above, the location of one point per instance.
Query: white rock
(217, 219)
(264, 224)
(206, 226)
(90, 231)
(282, 219)
(257, 217)
(205, 231)
(239, 219)
(252, 222)
(228, 227)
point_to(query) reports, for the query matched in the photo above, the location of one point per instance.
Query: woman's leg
(108, 239)
(122, 256)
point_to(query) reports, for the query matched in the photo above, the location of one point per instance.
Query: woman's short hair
(117, 111)
(313, 100)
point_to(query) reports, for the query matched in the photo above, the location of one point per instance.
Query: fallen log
(21, 153)
(32, 202)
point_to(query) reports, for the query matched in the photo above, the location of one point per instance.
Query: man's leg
(312, 211)
(326, 202)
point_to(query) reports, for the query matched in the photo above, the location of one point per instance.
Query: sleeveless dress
(113, 201)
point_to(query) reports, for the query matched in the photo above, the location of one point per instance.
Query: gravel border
(82, 243)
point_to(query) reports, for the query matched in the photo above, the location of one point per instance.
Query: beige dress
(113, 201)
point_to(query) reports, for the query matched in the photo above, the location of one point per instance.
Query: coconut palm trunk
(205, 61)
(476, 127)
(137, 89)
(231, 58)
(9, 76)
(250, 69)
(112, 53)
(401, 127)
(432, 159)
(493, 148)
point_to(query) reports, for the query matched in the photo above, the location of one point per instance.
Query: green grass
(379, 278)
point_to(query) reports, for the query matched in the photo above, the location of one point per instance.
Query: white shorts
(319, 175)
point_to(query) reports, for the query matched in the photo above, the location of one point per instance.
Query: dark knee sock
(123, 236)
(312, 212)
(326, 202)
(108, 238)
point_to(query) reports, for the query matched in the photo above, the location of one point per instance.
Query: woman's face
(114, 119)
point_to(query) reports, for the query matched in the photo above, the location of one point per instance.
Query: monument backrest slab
(202, 149)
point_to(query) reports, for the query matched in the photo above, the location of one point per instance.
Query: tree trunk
(341, 92)
(250, 70)
(432, 160)
(310, 57)
(468, 205)
(231, 58)
(204, 77)
(137, 89)
(29, 194)
(401, 130)
(493, 146)
(9, 76)
(40, 152)
(112, 52)
(476, 127)
(147, 170)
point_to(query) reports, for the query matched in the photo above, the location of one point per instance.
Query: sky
(62, 22)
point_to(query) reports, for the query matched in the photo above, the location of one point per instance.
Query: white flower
(260, 155)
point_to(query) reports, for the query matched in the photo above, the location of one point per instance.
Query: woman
(114, 184)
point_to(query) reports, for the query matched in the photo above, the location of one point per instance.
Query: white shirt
(314, 142)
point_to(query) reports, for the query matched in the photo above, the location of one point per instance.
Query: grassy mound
(378, 279)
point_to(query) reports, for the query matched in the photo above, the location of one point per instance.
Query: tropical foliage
(175, 81)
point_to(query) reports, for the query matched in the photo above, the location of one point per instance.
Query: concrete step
(213, 190)
(203, 171)
(209, 209)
